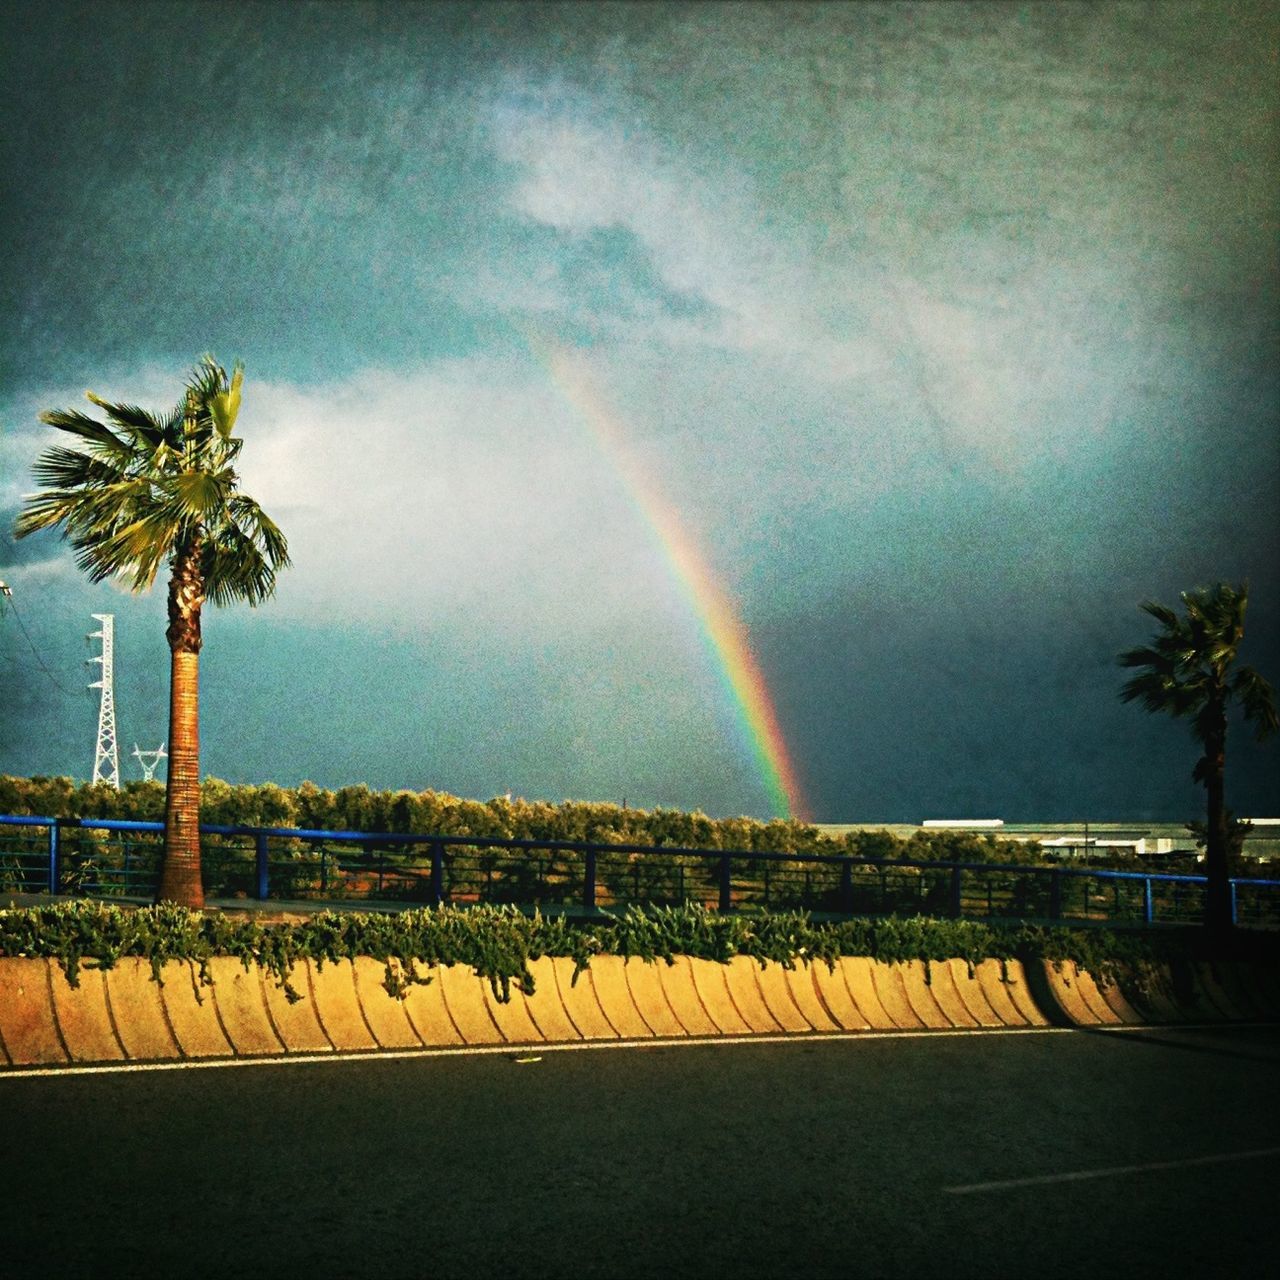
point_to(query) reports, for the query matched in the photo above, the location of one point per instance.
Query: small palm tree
(1189, 669)
(145, 490)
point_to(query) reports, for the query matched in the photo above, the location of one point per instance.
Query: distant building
(1141, 846)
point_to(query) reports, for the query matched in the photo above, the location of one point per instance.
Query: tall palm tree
(143, 490)
(1189, 669)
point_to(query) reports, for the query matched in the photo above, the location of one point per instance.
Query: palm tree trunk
(180, 877)
(1217, 865)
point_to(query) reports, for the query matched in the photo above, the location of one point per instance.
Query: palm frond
(1145, 657)
(1257, 699)
(207, 379)
(136, 550)
(44, 511)
(105, 507)
(87, 428)
(201, 495)
(1189, 669)
(145, 484)
(1159, 691)
(1161, 613)
(102, 558)
(59, 468)
(234, 569)
(137, 423)
(171, 423)
(225, 405)
(261, 529)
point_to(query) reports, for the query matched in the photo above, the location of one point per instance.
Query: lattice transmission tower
(106, 758)
(150, 761)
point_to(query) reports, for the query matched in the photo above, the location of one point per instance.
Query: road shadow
(1145, 1036)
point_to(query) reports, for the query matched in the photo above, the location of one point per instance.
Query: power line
(36, 652)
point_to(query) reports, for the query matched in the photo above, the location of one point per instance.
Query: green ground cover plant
(498, 943)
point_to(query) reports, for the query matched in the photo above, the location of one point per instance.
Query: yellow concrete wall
(121, 1014)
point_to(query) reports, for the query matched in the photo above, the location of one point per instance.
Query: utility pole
(154, 757)
(106, 759)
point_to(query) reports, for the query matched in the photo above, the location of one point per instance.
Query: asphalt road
(1064, 1154)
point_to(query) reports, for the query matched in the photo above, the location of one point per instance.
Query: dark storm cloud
(949, 330)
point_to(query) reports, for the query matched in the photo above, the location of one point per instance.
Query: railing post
(262, 888)
(55, 856)
(956, 904)
(846, 885)
(1148, 902)
(726, 884)
(437, 872)
(589, 881)
(1233, 901)
(1055, 894)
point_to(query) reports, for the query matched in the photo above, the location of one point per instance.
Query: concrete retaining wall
(122, 1014)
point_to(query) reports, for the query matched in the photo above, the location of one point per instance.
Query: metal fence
(119, 859)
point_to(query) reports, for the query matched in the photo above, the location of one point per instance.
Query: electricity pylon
(149, 770)
(106, 759)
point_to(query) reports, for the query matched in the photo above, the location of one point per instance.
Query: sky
(757, 408)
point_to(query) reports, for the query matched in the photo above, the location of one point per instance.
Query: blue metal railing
(118, 858)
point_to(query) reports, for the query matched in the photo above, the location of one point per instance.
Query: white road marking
(470, 1051)
(488, 1050)
(1052, 1179)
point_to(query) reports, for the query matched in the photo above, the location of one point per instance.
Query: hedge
(498, 943)
(359, 808)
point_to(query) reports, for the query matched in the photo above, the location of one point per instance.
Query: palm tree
(143, 490)
(1189, 669)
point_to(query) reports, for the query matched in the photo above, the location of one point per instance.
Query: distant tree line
(360, 808)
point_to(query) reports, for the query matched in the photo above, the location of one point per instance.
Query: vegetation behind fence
(359, 808)
(121, 858)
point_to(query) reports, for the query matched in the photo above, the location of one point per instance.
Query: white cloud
(467, 498)
(706, 233)
(465, 494)
(52, 568)
(996, 362)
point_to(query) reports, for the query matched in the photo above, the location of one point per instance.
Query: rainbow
(724, 632)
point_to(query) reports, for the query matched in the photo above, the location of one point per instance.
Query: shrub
(498, 943)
